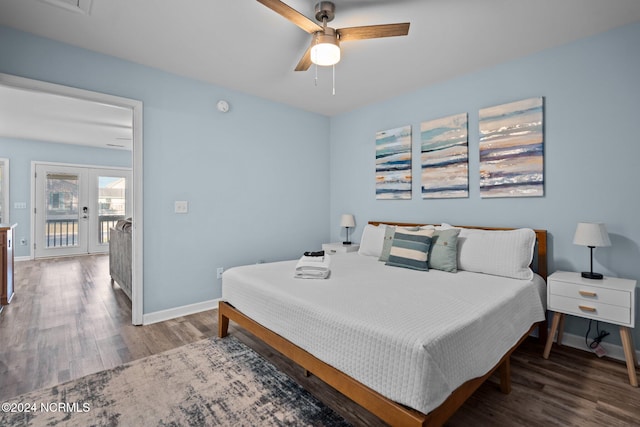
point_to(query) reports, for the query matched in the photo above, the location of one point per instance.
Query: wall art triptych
(511, 149)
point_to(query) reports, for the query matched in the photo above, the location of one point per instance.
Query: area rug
(214, 382)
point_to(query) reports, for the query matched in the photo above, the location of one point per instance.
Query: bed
(363, 331)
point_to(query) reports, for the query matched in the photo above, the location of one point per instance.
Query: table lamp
(592, 235)
(347, 221)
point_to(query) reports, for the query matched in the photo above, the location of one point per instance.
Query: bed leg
(505, 375)
(307, 373)
(223, 323)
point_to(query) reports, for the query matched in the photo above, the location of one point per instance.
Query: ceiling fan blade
(292, 15)
(305, 61)
(373, 31)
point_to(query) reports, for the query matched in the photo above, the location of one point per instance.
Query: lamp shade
(591, 234)
(347, 220)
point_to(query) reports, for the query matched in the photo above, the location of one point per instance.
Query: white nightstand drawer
(591, 293)
(590, 309)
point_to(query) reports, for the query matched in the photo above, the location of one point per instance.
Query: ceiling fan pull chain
(334, 79)
(315, 80)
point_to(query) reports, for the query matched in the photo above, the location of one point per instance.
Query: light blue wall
(592, 135)
(22, 152)
(240, 171)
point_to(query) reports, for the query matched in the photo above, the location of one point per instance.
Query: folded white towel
(306, 269)
(312, 258)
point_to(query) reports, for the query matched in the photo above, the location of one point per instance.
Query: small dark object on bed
(316, 253)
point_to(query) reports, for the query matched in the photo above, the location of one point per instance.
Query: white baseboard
(22, 258)
(185, 310)
(614, 351)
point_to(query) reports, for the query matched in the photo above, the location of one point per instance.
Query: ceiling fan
(325, 44)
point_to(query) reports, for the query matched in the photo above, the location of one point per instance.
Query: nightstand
(610, 300)
(339, 248)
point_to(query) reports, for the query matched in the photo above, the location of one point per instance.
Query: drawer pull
(587, 293)
(586, 308)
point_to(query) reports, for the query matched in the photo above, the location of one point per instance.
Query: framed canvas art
(445, 157)
(512, 149)
(393, 164)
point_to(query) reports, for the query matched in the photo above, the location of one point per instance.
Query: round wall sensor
(223, 106)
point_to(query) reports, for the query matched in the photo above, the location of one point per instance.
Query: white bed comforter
(412, 336)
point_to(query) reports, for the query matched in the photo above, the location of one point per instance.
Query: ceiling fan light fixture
(325, 50)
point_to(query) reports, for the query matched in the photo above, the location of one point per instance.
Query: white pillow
(445, 226)
(371, 241)
(502, 253)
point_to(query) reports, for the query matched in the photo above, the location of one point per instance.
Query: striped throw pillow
(410, 249)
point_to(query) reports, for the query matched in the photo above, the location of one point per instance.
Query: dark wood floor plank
(67, 320)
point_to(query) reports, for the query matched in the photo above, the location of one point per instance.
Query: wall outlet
(219, 272)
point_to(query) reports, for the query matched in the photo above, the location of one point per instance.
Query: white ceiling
(35, 115)
(241, 44)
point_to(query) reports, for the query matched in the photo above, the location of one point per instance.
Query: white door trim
(137, 295)
(5, 191)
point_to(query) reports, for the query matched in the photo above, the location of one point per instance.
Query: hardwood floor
(66, 321)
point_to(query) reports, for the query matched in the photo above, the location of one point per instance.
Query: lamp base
(346, 243)
(591, 275)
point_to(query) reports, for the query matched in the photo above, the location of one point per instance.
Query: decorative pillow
(123, 224)
(371, 241)
(389, 232)
(502, 253)
(410, 249)
(443, 254)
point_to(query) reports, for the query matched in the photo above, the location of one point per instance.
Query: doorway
(75, 207)
(136, 108)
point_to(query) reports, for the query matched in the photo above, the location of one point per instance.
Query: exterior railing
(61, 232)
(64, 232)
(105, 222)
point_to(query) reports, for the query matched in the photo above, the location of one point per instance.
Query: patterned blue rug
(214, 382)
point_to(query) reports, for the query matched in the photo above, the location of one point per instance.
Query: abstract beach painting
(445, 157)
(393, 164)
(512, 149)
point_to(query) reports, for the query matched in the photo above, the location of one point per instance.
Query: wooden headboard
(541, 238)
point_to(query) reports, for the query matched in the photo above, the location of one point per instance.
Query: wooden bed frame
(389, 411)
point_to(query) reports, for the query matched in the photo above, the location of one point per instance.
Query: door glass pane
(111, 204)
(61, 218)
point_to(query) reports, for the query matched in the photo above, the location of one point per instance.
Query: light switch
(181, 206)
(20, 205)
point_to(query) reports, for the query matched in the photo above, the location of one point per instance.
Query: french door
(76, 206)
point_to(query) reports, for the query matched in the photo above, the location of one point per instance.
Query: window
(4, 190)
